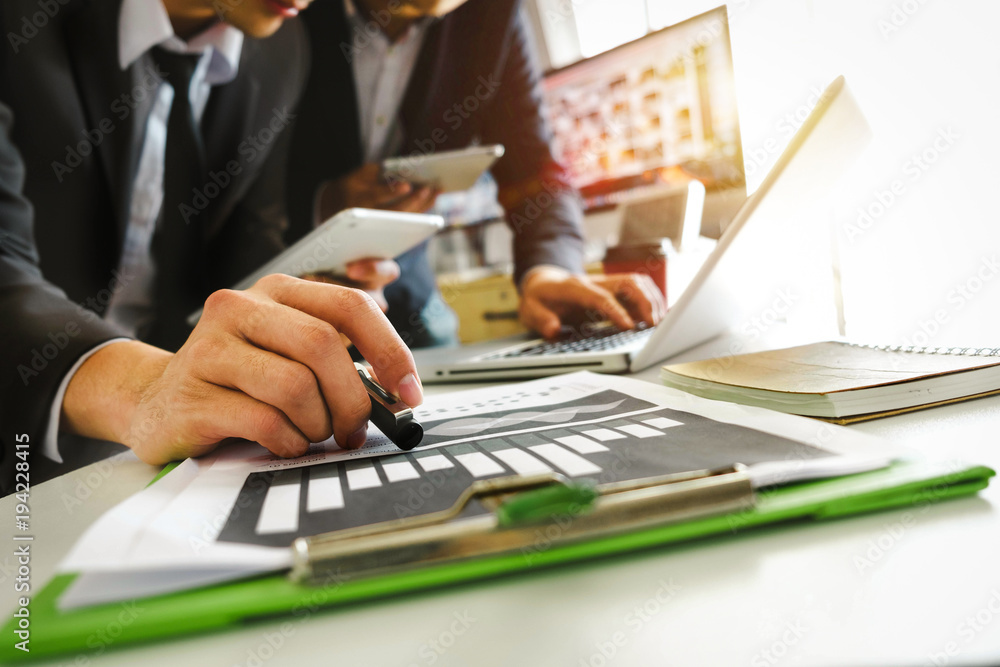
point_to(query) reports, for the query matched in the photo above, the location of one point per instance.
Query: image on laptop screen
(660, 109)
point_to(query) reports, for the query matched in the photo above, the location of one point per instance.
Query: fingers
(365, 187)
(229, 414)
(315, 344)
(382, 195)
(368, 187)
(373, 273)
(371, 189)
(656, 298)
(356, 315)
(322, 277)
(234, 414)
(378, 296)
(417, 201)
(586, 294)
(537, 317)
(302, 369)
(271, 379)
(269, 365)
(375, 293)
(643, 296)
(638, 293)
(548, 291)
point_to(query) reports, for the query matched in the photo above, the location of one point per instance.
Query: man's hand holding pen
(266, 364)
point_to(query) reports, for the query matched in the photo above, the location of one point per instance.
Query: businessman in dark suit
(405, 77)
(154, 139)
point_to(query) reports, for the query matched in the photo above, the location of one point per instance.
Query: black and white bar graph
(593, 445)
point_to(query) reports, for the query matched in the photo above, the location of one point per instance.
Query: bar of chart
(602, 438)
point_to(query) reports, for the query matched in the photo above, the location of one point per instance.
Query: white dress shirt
(382, 72)
(143, 24)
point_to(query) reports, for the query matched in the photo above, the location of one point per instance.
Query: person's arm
(50, 443)
(542, 208)
(545, 213)
(44, 333)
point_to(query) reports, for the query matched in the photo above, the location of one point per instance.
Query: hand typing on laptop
(266, 364)
(552, 297)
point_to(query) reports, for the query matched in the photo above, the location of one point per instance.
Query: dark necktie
(178, 246)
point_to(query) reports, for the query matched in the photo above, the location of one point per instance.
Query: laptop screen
(659, 109)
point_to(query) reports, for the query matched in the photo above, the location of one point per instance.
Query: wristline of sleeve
(546, 217)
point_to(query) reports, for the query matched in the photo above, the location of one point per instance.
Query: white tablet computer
(448, 171)
(352, 234)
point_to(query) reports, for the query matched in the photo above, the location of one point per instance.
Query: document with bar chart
(238, 511)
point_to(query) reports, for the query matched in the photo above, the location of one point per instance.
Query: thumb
(538, 317)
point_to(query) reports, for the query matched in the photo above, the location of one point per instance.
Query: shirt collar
(143, 24)
(356, 19)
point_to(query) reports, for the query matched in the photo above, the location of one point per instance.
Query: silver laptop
(753, 260)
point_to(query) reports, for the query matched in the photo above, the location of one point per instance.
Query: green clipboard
(910, 483)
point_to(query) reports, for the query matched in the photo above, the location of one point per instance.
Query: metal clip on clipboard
(519, 504)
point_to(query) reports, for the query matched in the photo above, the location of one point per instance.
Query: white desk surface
(918, 586)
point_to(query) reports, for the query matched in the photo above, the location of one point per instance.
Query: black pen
(393, 417)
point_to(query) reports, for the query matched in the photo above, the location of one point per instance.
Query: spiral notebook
(843, 382)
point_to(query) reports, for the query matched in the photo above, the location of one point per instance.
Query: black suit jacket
(475, 79)
(78, 120)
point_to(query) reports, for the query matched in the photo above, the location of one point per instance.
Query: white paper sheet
(167, 537)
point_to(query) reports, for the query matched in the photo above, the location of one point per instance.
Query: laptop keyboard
(600, 339)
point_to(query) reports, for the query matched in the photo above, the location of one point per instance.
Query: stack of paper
(234, 514)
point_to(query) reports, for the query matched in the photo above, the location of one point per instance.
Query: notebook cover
(213, 608)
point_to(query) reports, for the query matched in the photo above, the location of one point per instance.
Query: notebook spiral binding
(916, 349)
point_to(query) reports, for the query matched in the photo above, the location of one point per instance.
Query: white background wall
(920, 70)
